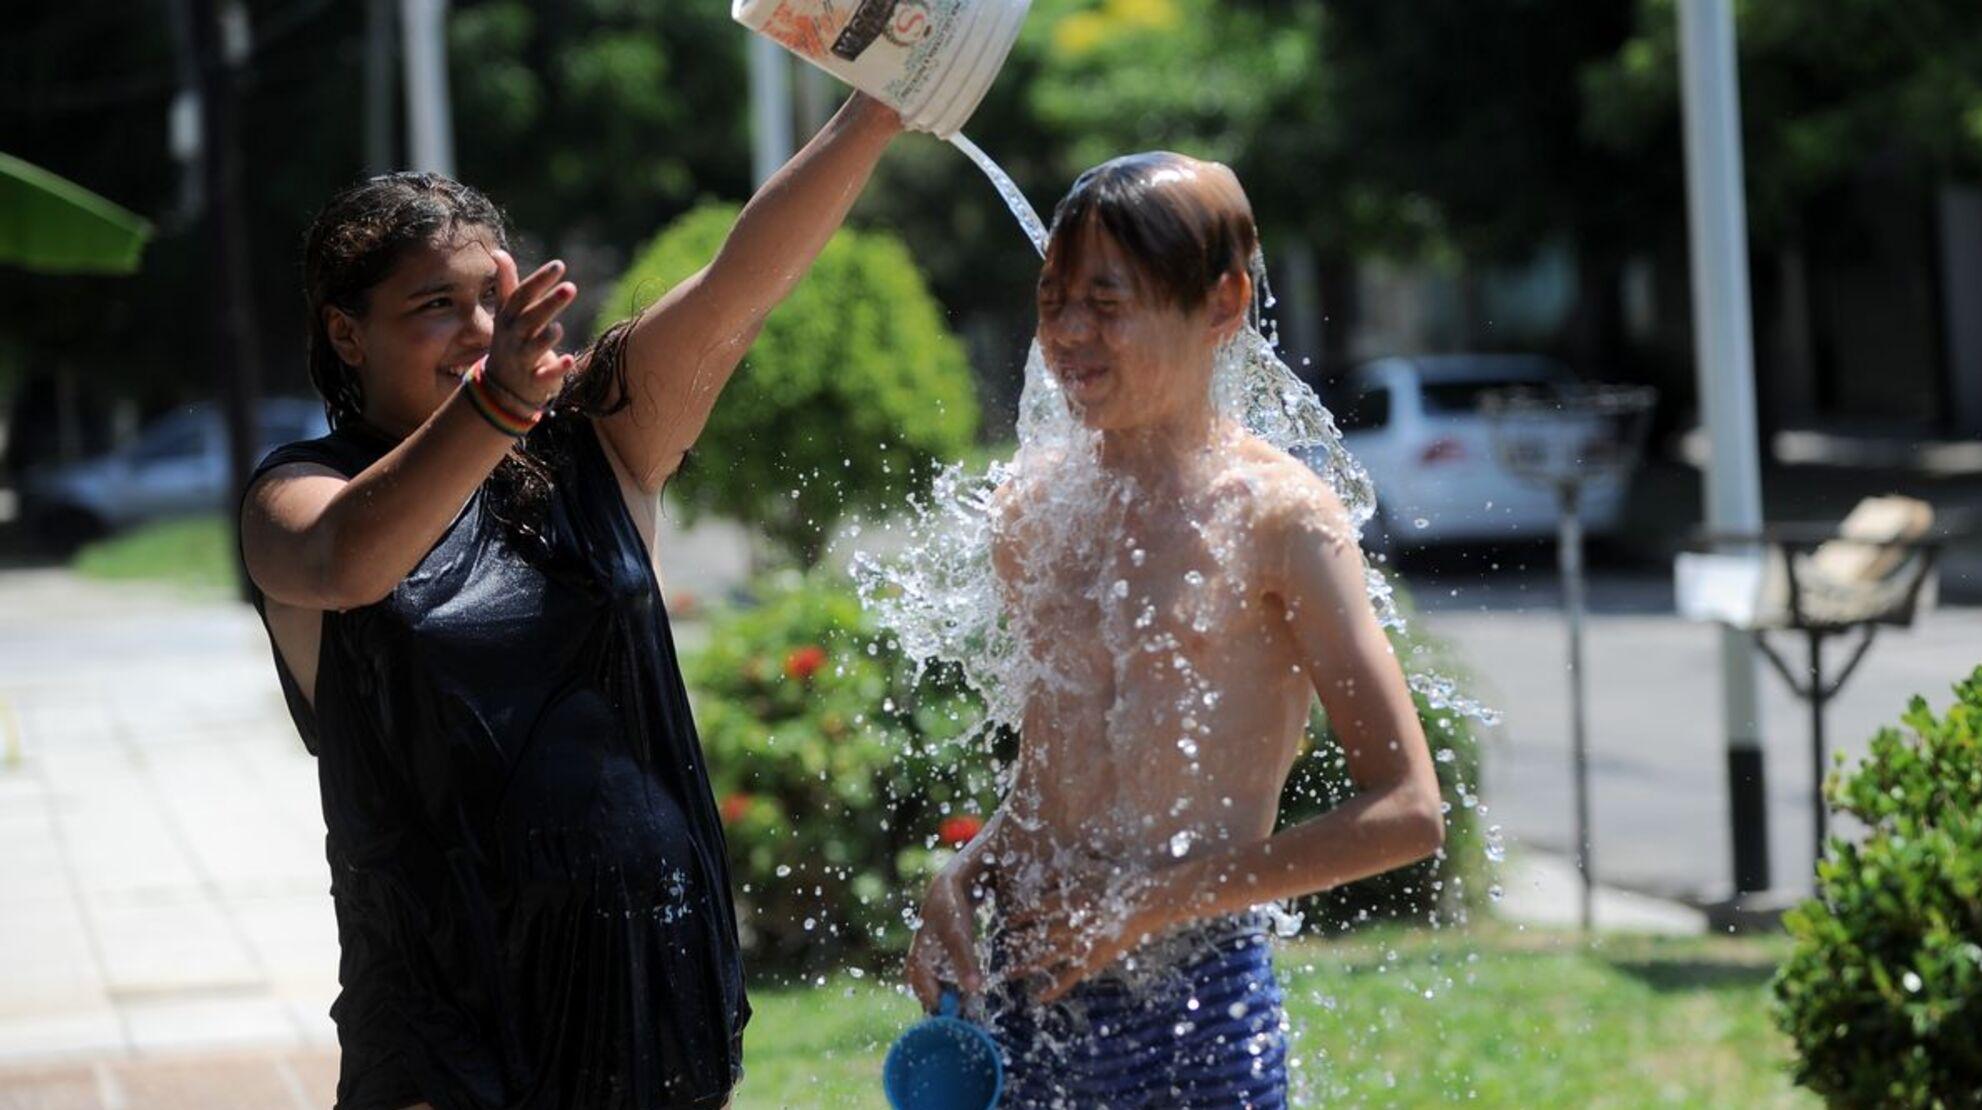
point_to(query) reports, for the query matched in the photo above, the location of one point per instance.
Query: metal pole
(379, 144)
(1818, 696)
(770, 108)
(1569, 555)
(1724, 363)
(429, 122)
(219, 41)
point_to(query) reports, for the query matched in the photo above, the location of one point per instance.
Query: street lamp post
(429, 121)
(1724, 363)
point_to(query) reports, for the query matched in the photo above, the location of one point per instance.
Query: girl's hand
(945, 947)
(522, 358)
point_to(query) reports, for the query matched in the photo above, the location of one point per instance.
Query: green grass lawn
(193, 553)
(1490, 1017)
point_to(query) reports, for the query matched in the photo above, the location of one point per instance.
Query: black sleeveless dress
(528, 867)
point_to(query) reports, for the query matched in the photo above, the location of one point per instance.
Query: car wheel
(61, 529)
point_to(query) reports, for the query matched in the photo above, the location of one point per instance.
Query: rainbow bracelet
(500, 416)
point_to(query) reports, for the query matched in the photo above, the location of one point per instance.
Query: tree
(851, 395)
(593, 121)
(1827, 86)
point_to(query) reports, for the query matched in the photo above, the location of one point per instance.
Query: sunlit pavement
(161, 847)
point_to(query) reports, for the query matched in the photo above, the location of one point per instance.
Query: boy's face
(1125, 358)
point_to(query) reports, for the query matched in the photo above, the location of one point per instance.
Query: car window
(1364, 409)
(169, 445)
(1448, 398)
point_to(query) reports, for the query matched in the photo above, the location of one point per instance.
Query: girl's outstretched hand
(523, 359)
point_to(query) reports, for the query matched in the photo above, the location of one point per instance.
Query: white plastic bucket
(930, 60)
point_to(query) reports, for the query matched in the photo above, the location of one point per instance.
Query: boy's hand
(523, 361)
(1077, 931)
(945, 947)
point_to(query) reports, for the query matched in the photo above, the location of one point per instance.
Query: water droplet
(1121, 588)
(784, 869)
(1193, 579)
(1188, 746)
(1181, 843)
(1421, 523)
(1138, 556)
(1911, 981)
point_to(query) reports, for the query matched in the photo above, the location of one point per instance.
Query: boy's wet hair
(1183, 223)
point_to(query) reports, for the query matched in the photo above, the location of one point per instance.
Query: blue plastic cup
(943, 1063)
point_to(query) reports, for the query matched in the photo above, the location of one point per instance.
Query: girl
(460, 586)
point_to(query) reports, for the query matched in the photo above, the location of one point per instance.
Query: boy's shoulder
(1283, 493)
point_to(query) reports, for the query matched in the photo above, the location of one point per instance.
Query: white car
(175, 467)
(1416, 425)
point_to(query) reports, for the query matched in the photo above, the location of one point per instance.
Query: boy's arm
(1396, 816)
(681, 351)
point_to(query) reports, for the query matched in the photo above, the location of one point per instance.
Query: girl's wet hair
(362, 234)
(1184, 224)
(359, 238)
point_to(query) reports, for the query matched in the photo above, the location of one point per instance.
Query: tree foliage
(1828, 88)
(852, 393)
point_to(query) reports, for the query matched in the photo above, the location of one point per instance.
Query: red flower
(735, 807)
(959, 830)
(804, 662)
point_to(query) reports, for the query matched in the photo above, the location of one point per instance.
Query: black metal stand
(1818, 692)
(1814, 688)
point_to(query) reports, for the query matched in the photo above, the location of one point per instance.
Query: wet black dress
(528, 867)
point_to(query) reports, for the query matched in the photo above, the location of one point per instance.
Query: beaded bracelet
(503, 418)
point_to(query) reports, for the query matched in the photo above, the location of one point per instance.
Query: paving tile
(316, 1073)
(293, 936)
(46, 960)
(82, 1032)
(205, 1083)
(155, 946)
(163, 1025)
(57, 1087)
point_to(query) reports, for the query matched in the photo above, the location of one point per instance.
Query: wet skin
(1174, 684)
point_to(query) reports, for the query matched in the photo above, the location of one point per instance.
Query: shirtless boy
(1183, 592)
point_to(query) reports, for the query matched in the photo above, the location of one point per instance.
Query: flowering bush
(841, 777)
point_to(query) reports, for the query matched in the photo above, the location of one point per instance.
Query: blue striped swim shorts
(1193, 1020)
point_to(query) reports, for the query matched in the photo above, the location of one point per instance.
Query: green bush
(852, 392)
(842, 779)
(1882, 992)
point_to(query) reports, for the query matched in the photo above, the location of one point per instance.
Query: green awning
(54, 226)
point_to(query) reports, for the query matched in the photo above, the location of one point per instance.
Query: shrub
(1882, 992)
(844, 784)
(841, 779)
(852, 392)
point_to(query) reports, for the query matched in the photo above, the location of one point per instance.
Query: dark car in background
(176, 466)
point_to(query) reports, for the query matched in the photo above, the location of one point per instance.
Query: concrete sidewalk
(161, 847)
